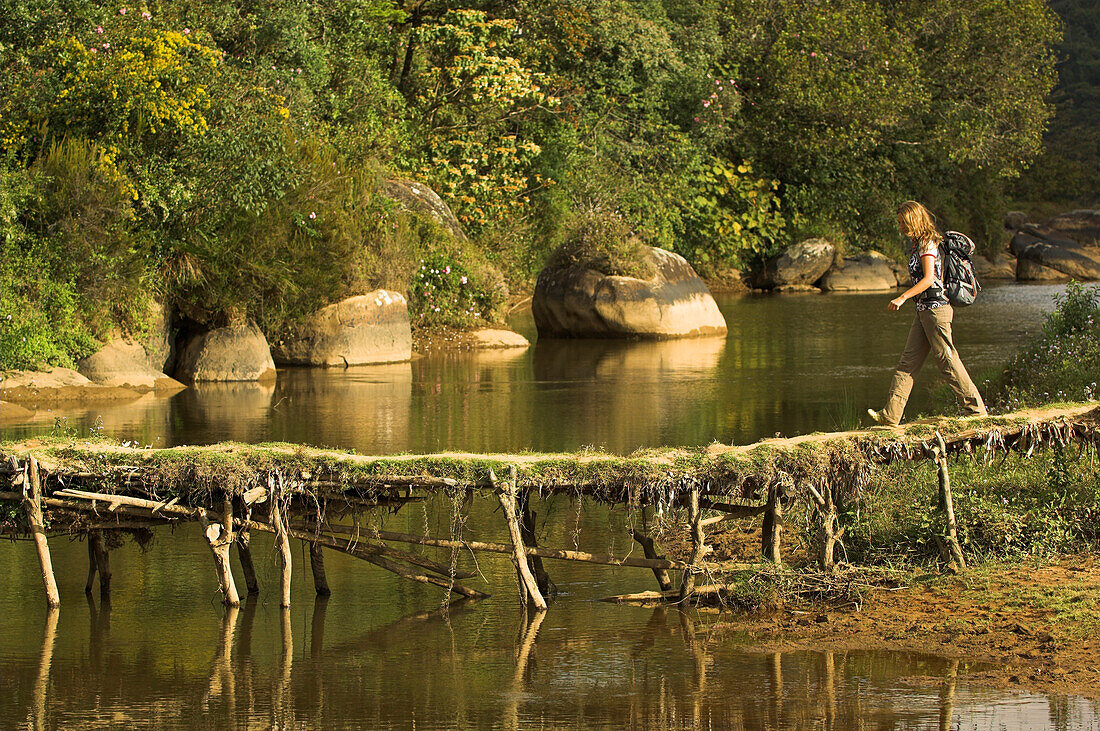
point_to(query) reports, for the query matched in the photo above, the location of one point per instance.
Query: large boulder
(800, 265)
(575, 301)
(870, 272)
(234, 353)
(369, 328)
(122, 362)
(419, 198)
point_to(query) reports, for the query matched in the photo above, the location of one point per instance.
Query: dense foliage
(226, 157)
(1068, 172)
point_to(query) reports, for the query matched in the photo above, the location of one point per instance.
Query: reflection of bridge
(102, 491)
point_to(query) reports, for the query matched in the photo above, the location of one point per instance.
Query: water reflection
(649, 672)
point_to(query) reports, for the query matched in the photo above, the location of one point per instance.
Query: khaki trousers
(931, 333)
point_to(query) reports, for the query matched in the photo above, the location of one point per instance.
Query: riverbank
(1034, 624)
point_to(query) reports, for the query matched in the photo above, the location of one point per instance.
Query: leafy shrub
(603, 241)
(1063, 363)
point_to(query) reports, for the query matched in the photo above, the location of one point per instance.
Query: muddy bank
(1034, 626)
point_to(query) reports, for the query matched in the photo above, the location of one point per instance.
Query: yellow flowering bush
(130, 84)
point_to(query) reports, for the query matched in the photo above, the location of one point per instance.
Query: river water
(383, 653)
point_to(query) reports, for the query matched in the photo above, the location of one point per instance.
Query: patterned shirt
(935, 296)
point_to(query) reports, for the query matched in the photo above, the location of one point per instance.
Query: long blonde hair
(918, 224)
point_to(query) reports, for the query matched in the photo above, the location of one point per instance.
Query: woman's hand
(896, 303)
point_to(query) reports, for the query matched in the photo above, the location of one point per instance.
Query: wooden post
(949, 545)
(650, 551)
(772, 532)
(698, 546)
(32, 507)
(317, 563)
(99, 561)
(527, 530)
(506, 494)
(282, 540)
(244, 553)
(219, 538)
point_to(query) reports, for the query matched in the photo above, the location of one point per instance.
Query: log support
(771, 535)
(950, 549)
(220, 538)
(32, 509)
(282, 539)
(650, 550)
(99, 562)
(527, 530)
(828, 532)
(244, 544)
(317, 563)
(698, 547)
(506, 494)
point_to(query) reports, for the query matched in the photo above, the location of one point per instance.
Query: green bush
(733, 219)
(448, 291)
(73, 265)
(1063, 362)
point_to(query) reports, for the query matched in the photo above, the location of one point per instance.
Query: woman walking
(931, 331)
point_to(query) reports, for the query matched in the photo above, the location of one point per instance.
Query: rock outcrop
(799, 266)
(869, 272)
(576, 301)
(997, 266)
(361, 330)
(122, 362)
(1042, 247)
(1081, 226)
(233, 353)
(419, 198)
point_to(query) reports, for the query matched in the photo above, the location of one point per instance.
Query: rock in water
(870, 272)
(122, 362)
(369, 328)
(800, 265)
(233, 353)
(576, 301)
(997, 266)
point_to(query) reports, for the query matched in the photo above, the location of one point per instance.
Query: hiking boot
(878, 417)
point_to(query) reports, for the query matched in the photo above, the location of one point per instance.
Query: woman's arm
(927, 264)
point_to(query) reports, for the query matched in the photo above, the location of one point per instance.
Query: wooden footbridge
(100, 491)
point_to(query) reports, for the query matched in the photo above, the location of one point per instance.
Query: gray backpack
(959, 282)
